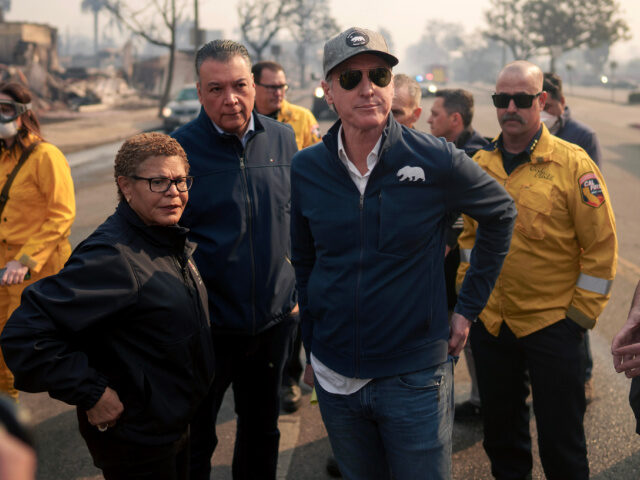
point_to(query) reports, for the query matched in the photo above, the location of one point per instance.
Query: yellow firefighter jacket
(563, 253)
(304, 124)
(41, 207)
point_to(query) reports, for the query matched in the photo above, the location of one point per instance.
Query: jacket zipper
(182, 268)
(357, 309)
(248, 205)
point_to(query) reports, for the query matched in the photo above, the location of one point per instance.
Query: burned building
(24, 44)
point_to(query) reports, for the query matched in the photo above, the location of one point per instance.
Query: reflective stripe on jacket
(304, 124)
(41, 205)
(563, 251)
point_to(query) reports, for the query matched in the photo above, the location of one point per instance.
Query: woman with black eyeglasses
(37, 206)
(122, 332)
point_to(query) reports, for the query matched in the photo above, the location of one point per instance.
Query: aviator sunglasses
(522, 100)
(351, 78)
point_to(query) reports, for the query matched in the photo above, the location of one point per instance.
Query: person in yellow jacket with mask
(40, 207)
(554, 284)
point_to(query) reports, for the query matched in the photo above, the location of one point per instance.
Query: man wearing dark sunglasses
(368, 225)
(554, 284)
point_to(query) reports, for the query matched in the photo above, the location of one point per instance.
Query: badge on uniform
(590, 190)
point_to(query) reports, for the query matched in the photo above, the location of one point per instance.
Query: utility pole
(196, 28)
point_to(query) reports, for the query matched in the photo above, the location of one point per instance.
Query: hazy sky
(406, 19)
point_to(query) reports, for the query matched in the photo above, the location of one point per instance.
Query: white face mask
(8, 130)
(551, 121)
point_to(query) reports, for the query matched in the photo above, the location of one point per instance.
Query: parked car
(428, 88)
(182, 109)
(320, 108)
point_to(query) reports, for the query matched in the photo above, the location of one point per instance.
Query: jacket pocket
(404, 220)
(534, 208)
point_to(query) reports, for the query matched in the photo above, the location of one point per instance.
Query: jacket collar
(540, 148)
(285, 113)
(173, 236)
(565, 117)
(207, 124)
(391, 133)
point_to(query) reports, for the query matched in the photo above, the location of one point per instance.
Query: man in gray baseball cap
(369, 209)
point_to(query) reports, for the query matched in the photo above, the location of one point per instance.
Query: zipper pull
(361, 202)
(242, 161)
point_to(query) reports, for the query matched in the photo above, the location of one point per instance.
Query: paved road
(614, 449)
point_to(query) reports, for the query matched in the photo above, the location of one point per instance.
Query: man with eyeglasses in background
(554, 283)
(368, 210)
(271, 89)
(239, 217)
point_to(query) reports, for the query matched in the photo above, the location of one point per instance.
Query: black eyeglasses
(10, 110)
(522, 100)
(274, 88)
(351, 78)
(161, 185)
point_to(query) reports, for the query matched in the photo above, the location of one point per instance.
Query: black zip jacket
(129, 311)
(238, 214)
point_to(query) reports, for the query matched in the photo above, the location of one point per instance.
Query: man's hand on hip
(459, 332)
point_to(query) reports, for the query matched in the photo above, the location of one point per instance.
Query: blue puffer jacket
(370, 267)
(238, 214)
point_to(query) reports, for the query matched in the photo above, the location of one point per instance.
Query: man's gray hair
(413, 87)
(221, 51)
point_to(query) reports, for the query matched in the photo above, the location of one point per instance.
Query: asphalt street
(614, 448)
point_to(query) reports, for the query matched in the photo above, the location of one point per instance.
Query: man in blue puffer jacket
(369, 209)
(239, 217)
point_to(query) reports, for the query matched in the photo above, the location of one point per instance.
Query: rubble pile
(76, 89)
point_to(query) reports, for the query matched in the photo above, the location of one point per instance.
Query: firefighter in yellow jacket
(271, 86)
(554, 284)
(37, 217)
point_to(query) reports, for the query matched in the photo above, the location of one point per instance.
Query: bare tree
(508, 24)
(94, 6)
(260, 22)
(309, 22)
(562, 25)
(156, 21)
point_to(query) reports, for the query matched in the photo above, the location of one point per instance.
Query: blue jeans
(398, 426)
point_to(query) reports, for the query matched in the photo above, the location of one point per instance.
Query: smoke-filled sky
(405, 19)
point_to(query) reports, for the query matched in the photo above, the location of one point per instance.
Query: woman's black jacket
(129, 310)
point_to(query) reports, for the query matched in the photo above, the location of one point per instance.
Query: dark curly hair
(138, 148)
(30, 123)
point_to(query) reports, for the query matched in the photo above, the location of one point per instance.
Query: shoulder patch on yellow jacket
(590, 190)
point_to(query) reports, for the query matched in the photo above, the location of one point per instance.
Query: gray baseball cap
(352, 42)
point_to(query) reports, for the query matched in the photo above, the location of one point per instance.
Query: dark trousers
(293, 367)
(121, 460)
(252, 365)
(554, 358)
(588, 363)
